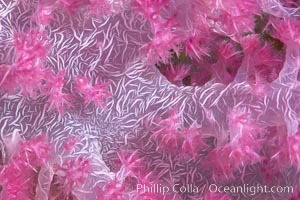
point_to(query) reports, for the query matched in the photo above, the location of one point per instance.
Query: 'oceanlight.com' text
(213, 188)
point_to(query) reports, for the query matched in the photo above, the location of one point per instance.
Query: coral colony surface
(149, 99)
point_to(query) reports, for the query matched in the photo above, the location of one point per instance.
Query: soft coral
(164, 37)
(27, 71)
(192, 141)
(242, 150)
(97, 93)
(72, 5)
(176, 73)
(18, 177)
(100, 7)
(114, 190)
(54, 89)
(164, 40)
(131, 163)
(167, 133)
(294, 149)
(43, 14)
(72, 173)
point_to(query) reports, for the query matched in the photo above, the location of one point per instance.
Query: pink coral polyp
(294, 149)
(98, 93)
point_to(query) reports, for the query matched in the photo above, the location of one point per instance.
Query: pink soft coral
(234, 17)
(100, 7)
(131, 163)
(287, 30)
(176, 73)
(172, 136)
(97, 93)
(72, 5)
(237, 7)
(163, 41)
(281, 151)
(196, 47)
(18, 177)
(229, 58)
(238, 120)
(296, 193)
(277, 150)
(31, 48)
(36, 150)
(54, 89)
(27, 71)
(224, 161)
(294, 149)
(71, 143)
(216, 196)
(198, 39)
(164, 37)
(218, 161)
(192, 141)
(73, 173)
(43, 14)
(167, 133)
(114, 190)
(242, 150)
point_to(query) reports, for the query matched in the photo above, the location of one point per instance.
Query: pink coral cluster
(164, 39)
(98, 93)
(173, 137)
(57, 98)
(45, 11)
(27, 69)
(19, 177)
(29, 74)
(73, 173)
(236, 64)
